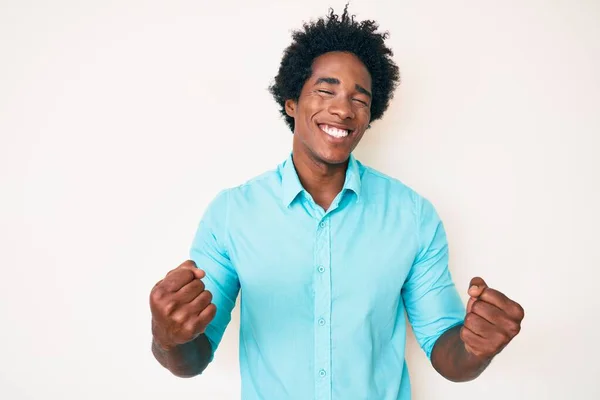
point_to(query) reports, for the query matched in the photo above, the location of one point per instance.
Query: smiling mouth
(334, 132)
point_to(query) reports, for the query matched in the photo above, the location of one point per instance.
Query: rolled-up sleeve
(432, 302)
(209, 251)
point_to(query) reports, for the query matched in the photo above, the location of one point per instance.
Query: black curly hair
(335, 33)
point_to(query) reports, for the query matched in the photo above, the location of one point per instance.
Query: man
(328, 253)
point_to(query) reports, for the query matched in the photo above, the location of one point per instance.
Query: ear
(290, 108)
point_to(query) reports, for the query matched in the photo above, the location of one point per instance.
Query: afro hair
(337, 33)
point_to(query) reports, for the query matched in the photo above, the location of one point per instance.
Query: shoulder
(397, 195)
(255, 189)
(378, 184)
(258, 187)
(225, 208)
(402, 199)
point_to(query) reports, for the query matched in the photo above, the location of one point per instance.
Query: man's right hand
(181, 307)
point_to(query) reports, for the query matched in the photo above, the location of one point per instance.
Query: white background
(120, 120)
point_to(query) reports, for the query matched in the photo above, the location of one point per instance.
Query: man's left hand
(492, 320)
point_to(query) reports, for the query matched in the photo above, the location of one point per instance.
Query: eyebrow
(335, 81)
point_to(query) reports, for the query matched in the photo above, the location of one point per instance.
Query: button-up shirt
(324, 293)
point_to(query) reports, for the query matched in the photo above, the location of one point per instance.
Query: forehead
(345, 66)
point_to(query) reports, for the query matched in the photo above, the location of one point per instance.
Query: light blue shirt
(324, 293)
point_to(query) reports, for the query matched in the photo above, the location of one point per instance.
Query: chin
(334, 157)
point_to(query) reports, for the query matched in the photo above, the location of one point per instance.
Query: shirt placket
(323, 310)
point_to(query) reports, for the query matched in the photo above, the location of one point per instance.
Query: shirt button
(321, 269)
(323, 224)
(322, 373)
(321, 321)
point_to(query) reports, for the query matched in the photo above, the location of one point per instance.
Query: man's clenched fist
(181, 307)
(492, 320)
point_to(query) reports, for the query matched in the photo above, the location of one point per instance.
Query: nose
(342, 107)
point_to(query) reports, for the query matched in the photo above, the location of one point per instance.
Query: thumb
(476, 287)
(191, 266)
(470, 303)
(199, 273)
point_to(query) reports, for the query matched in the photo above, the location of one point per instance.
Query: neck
(323, 181)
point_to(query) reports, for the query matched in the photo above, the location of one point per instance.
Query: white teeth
(335, 132)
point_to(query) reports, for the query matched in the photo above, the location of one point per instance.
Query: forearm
(186, 360)
(451, 359)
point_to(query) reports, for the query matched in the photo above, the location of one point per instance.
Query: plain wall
(119, 122)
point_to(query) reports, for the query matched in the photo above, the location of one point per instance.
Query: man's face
(334, 108)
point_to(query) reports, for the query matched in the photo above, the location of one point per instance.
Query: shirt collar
(291, 186)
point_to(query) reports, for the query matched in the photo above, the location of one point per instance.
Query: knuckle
(470, 319)
(204, 300)
(188, 330)
(157, 294)
(195, 287)
(170, 307)
(463, 335)
(210, 311)
(185, 269)
(179, 318)
(517, 329)
(514, 329)
(519, 312)
(182, 271)
(167, 285)
(478, 353)
(476, 306)
(172, 272)
(199, 302)
(190, 288)
(490, 293)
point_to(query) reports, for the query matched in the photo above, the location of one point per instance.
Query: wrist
(158, 338)
(161, 345)
(476, 359)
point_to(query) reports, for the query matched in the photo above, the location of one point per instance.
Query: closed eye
(360, 101)
(324, 91)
